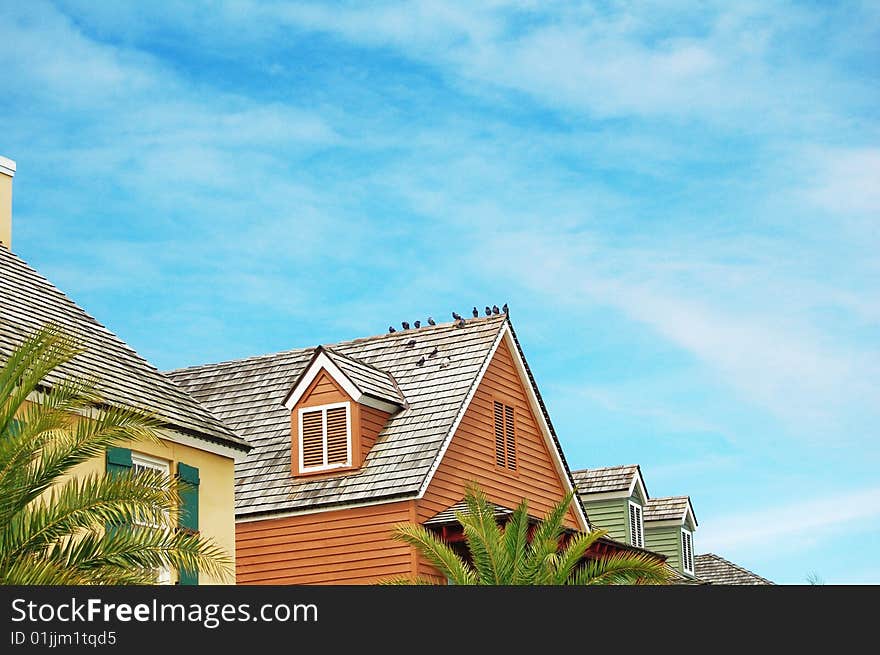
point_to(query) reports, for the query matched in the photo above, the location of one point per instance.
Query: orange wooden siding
(372, 421)
(471, 454)
(347, 546)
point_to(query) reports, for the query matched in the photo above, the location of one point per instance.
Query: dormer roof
(611, 480)
(365, 384)
(671, 508)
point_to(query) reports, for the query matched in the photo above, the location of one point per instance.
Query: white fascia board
(690, 511)
(321, 363)
(203, 444)
(637, 481)
(604, 495)
(7, 166)
(324, 363)
(376, 403)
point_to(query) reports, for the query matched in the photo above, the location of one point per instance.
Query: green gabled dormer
(615, 498)
(670, 524)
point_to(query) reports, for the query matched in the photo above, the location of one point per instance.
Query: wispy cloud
(792, 526)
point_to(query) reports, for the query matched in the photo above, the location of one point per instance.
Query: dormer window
(636, 525)
(324, 437)
(687, 551)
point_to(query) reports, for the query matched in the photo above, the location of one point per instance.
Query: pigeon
(476, 312)
(431, 321)
(417, 324)
(433, 353)
(460, 323)
(421, 361)
(410, 343)
(391, 329)
(488, 311)
(405, 325)
(495, 310)
(504, 309)
(456, 316)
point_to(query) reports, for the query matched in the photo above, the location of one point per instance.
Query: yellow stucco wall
(216, 490)
(6, 210)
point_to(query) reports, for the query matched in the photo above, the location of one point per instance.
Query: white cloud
(792, 526)
(742, 331)
(847, 181)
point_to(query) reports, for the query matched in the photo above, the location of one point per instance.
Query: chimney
(7, 171)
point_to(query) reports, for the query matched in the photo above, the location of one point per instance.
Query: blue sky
(679, 201)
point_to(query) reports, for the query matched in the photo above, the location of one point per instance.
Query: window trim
(684, 559)
(641, 526)
(323, 409)
(163, 574)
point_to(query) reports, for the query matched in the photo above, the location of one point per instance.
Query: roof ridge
(358, 340)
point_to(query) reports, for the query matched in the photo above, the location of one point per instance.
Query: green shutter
(118, 462)
(188, 517)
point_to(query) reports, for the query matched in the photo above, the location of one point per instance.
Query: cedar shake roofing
(247, 394)
(719, 571)
(607, 479)
(368, 379)
(28, 301)
(448, 515)
(665, 509)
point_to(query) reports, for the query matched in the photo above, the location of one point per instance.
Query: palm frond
(622, 569)
(436, 551)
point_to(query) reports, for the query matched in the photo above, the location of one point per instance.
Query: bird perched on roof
(421, 361)
(391, 329)
(476, 312)
(431, 321)
(433, 353)
(405, 325)
(504, 309)
(456, 316)
(495, 309)
(417, 324)
(410, 343)
(460, 322)
(488, 311)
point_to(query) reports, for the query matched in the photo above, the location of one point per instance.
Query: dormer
(670, 524)
(615, 498)
(338, 406)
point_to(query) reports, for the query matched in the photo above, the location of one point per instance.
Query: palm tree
(59, 528)
(505, 555)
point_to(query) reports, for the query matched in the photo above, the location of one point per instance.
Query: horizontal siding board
(349, 546)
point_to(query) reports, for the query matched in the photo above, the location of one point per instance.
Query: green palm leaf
(508, 556)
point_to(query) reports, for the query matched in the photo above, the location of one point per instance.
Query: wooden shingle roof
(669, 508)
(247, 394)
(719, 571)
(609, 478)
(28, 301)
(369, 379)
